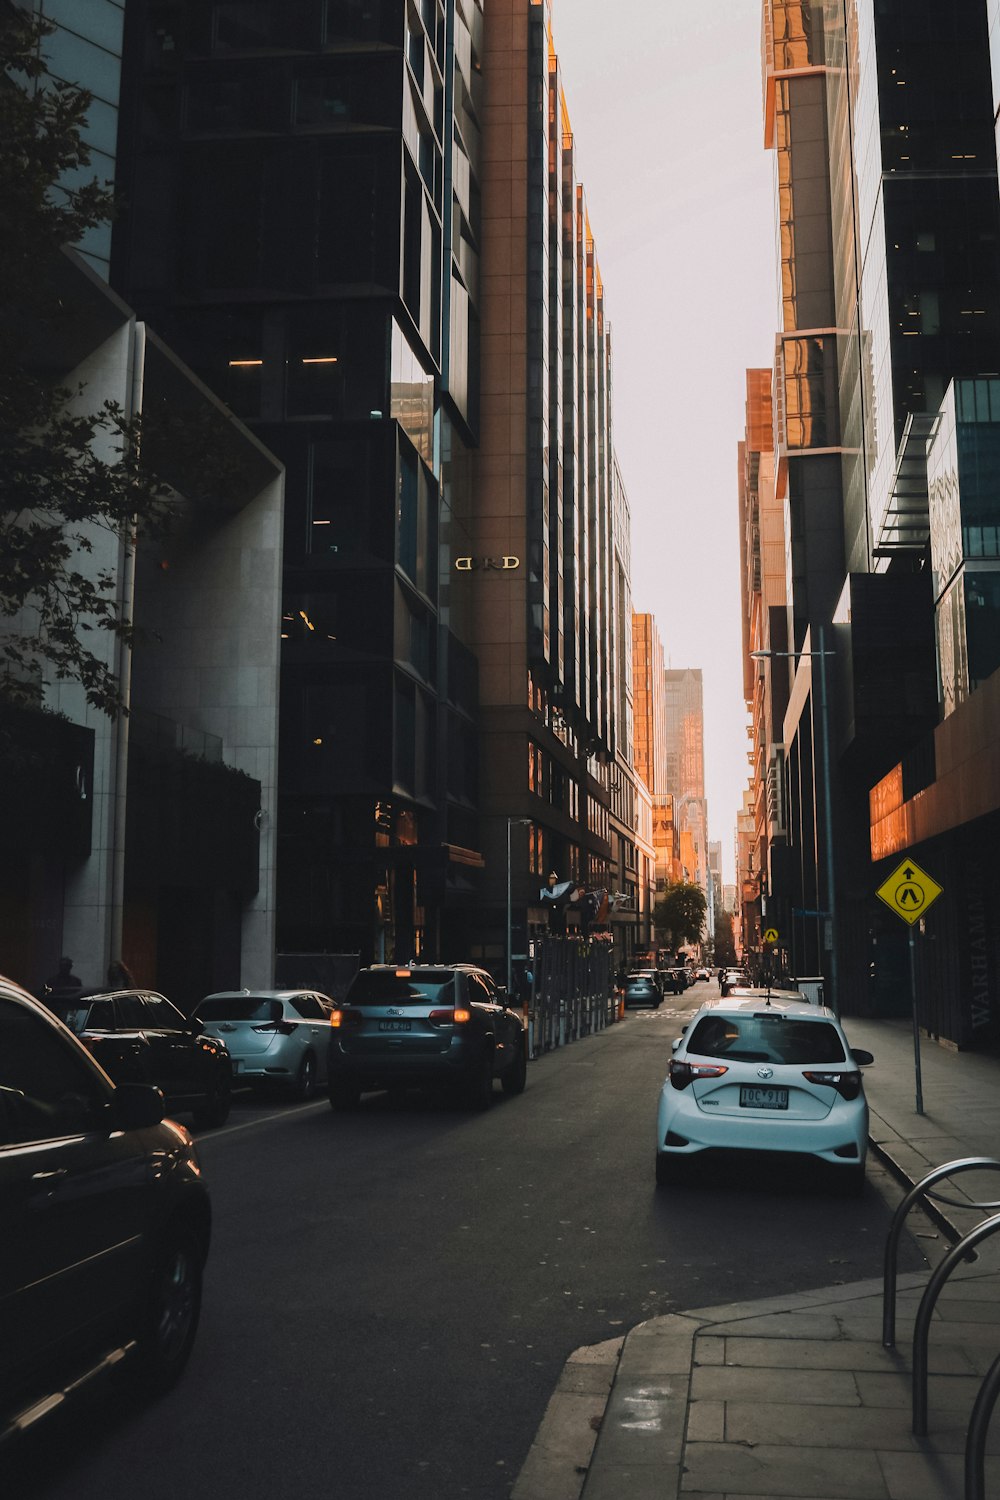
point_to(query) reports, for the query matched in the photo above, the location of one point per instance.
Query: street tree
(725, 948)
(681, 912)
(56, 493)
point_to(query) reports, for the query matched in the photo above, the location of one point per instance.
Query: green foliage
(41, 120)
(56, 492)
(680, 912)
(725, 948)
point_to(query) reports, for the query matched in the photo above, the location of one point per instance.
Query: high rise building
(882, 117)
(650, 738)
(149, 831)
(334, 305)
(650, 704)
(764, 596)
(403, 298)
(549, 630)
(685, 767)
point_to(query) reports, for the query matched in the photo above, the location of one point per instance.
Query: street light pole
(824, 714)
(510, 907)
(824, 724)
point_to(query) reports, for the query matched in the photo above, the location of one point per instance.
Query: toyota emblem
(765, 1072)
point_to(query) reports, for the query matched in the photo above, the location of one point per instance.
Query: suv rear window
(402, 987)
(766, 1039)
(240, 1008)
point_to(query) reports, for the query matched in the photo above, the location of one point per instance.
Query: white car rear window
(766, 1039)
(240, 1008)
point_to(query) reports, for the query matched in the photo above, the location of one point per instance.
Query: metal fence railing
(573, 992)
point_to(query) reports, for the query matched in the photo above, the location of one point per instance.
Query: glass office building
(301, 220)
(964, 488)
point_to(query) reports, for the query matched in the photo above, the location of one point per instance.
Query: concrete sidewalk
(796, 1397)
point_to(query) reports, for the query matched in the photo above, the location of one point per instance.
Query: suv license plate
(752, 1097)
(394, 1025)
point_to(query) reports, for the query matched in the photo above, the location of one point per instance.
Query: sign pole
(909, 891)
(916, 1027)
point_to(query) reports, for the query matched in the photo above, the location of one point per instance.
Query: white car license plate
(753, 1097)
(394, 1026)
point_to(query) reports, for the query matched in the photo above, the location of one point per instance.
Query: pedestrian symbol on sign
(909, 891)
(771, 935)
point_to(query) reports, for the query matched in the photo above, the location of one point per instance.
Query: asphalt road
(392, 1294)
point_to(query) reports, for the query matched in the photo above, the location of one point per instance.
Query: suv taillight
(683, 1073)
(282, 1028)
(848, 1085)
(456, 1017)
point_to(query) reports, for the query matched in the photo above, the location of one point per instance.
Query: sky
(664, 98)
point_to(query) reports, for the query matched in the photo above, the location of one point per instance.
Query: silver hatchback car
(276, 1037)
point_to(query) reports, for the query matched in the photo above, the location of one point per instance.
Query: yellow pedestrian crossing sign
(771, 935)
(909, 891)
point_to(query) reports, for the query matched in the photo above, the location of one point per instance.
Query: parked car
(106, 1221)
(138, 1036)
(763, 1074)
(274, 1037)
(426, 1024)
(643, 988)
(674, 980)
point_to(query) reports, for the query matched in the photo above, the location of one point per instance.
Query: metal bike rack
(989, 1391)
(975, 1438)
(950, 1169)
(921, 1327)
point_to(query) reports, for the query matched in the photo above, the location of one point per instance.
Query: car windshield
(402, 987)
(766, 1039)
(239, 1008)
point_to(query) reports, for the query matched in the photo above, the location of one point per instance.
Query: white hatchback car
(764, 1073)
(277, 1038)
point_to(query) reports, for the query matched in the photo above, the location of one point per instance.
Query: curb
(930, 1208)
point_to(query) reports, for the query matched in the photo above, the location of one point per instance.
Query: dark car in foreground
(138, 1036)
(106, 1222)
(426, 1025)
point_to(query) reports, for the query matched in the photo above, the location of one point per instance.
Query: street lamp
(824, 718)
(521, 822)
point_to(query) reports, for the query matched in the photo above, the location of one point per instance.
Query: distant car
(675, 979)
(732, 977)
(643, 988)
(702, 973)
(756, 1075)
(106, 1221)
(426, 1025)
(138, 1036)
(278, 1038)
